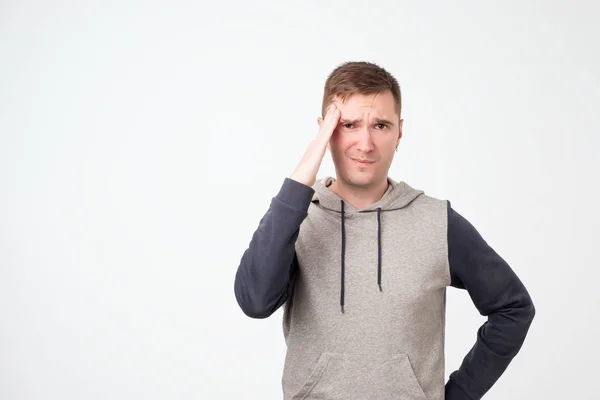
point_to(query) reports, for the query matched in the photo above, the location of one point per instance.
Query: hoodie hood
(397, 196)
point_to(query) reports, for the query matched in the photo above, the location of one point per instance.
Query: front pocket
(357, 376)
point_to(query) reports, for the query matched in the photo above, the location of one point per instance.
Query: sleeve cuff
(454, 392)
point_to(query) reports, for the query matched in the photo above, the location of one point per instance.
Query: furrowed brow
(352, 121)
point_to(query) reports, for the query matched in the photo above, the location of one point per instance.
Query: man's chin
(360, 180)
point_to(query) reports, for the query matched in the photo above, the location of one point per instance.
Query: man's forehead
(371, 113)
(358, 105)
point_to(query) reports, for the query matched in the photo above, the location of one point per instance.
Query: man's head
(370, 128)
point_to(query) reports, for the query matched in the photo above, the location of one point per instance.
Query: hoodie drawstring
(343, 266)
(379, 249)
(343, 260)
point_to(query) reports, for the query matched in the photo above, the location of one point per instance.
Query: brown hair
(359, 77)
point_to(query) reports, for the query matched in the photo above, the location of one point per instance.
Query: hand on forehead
(367, 107)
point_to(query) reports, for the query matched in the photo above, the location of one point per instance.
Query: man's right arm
(263, 281)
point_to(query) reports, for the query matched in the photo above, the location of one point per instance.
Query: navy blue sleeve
(264, 278)
(499, 295)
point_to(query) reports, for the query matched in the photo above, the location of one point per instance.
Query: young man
(362, 262)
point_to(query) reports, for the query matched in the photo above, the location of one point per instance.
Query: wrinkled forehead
(371, 107)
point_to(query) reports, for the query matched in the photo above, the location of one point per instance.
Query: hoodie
(363, 293)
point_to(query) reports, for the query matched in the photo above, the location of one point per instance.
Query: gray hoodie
(364, 294)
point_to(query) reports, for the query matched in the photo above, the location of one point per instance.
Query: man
(362, 262)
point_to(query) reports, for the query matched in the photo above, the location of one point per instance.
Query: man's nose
(365, 142)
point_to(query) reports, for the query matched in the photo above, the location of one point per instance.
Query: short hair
(359, 77)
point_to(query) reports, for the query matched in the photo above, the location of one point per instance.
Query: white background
(141, 142)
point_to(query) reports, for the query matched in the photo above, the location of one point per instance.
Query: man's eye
(347, 126)
(381, 126)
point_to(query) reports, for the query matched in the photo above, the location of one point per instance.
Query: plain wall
(141, 142)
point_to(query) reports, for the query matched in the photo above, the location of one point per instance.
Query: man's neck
(359, 197)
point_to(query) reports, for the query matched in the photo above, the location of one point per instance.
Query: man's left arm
(499, 295)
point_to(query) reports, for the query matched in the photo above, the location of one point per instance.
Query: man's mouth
(363, 161)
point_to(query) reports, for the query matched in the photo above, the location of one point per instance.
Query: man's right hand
(308, 167)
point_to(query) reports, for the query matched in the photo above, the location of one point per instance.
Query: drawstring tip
(380, 289)
(342, 308)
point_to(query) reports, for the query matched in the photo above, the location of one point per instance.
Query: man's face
(363, 144)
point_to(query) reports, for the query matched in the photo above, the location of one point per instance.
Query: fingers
(330, 122)
(333, 114)
(307, 168)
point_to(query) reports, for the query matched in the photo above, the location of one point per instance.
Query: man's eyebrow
(349, 120)
(384, 121)
(356, 120)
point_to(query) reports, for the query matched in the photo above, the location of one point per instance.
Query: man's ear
(399, 132)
